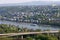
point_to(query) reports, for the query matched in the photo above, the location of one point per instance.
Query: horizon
(23, 1)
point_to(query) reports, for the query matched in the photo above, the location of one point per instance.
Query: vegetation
(14, 29)
(46, 37)
(8, 28)
(6, 38)
(4, 28)
(38, 37)
(43, 37)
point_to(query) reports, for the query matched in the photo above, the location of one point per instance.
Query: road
(27, 33)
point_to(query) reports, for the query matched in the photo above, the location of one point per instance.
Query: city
(44, 14)
(35, 20)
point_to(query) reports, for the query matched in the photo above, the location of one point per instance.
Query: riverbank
(29, 25)
(38, 23)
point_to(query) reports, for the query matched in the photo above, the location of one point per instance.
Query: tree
(46, 37)
(29, 38)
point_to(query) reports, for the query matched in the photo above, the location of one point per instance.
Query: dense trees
(42, 37)
(8, 28)
(46, 37)
(4, 28)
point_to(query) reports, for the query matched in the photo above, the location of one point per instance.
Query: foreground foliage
(14, 29)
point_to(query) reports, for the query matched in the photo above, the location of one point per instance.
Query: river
(30, 25)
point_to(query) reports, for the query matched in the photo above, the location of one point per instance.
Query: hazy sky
(20, 1)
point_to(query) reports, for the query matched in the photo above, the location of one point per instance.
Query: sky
(20, 1)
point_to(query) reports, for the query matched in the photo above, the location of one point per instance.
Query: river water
(30, 25)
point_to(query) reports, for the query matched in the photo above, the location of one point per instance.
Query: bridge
(28, 33)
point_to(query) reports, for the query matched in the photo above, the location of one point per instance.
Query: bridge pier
(22, 37)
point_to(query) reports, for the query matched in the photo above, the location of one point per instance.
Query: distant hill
(33, 3)
(41, 3)
(37, 3)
